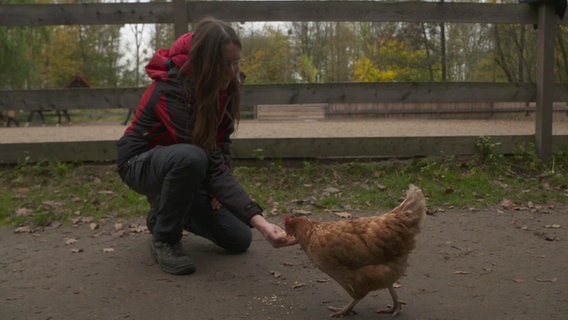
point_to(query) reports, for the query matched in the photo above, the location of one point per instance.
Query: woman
(176, 150)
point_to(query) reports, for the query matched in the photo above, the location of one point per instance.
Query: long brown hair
(206, 68)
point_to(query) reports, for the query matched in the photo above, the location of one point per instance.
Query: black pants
(177, 175)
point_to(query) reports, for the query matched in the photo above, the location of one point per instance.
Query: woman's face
(232, 61)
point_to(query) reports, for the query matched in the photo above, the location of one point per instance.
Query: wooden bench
(279, 112)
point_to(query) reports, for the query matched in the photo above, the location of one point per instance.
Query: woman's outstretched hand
(272, 233)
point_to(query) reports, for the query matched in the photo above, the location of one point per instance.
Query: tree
(20, 52)
(366, 71)
(306, 70)
(514, 52)
(100, 54)
(267, 57)
(330, 46)
(468, 45)
(138, 51)
(562, 54)
(59, 57)
(391, 60)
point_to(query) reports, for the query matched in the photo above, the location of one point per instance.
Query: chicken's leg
(396, 304)
(340, 312)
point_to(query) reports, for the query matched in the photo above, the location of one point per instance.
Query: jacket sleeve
(227, 190)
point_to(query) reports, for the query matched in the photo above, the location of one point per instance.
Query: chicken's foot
(396, 304)
(347, 310)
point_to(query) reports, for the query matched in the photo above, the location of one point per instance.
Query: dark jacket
(162, 119)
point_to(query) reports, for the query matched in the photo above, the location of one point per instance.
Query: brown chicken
(363, 254)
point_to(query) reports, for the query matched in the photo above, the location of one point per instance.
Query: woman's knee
(238, 242)
(188, 158)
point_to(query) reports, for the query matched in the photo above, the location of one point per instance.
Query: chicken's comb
(286, 219)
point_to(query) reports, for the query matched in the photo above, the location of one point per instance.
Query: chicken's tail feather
(413, 208)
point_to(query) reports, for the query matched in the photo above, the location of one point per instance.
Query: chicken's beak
(286, 227)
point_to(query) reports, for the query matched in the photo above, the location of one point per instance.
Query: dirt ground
(487, 264)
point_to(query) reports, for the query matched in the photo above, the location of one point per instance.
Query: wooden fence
(180, 12)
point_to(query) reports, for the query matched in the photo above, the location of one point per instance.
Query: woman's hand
(272, 233)
(215, 204)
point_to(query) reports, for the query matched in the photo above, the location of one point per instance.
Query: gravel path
(295, 129)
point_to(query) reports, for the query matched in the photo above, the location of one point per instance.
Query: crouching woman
(176, 149)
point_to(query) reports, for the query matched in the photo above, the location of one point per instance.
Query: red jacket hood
(157, 67)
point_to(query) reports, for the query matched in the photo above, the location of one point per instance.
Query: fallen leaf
(75, 250)
(302, 212)
(24, 229)
(87, 219)
(94, 226)
(530, 205)
(460, 272)
(547, 280)
(56, 224)
(107, 250)
(431, 212)
(70, 241)
(138, 228)
(24, 212)
(52, 204)
(397, 285)
(552, 226)
(297, 285)
(275, 274)
(118, 226)
(97, 234)
(121, 233)
(330, 190)
(507, 204)
(322, 280)
(343, 215)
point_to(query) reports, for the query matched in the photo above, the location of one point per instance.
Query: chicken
(363, 254)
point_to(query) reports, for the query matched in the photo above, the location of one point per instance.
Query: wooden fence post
(545, 80)
(179, 12)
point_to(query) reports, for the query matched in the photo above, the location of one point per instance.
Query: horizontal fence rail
(255, 11)
(286, 148)
(181, 12)
(104, 98)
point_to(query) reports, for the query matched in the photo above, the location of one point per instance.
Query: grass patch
(40, 194)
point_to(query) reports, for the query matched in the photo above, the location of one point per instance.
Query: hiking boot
(171, 258)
